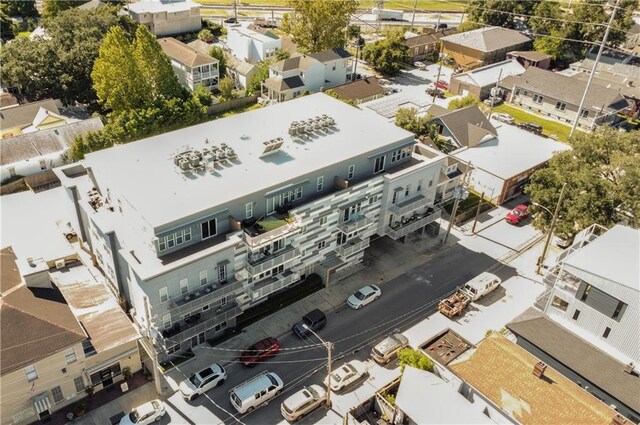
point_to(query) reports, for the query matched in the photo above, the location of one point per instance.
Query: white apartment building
(190, 66)
(251, 46)
(196, 225)
(166, 17)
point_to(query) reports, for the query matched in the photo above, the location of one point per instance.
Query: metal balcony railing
(206, 294)
(352, 246)
(262, 263)
(408, 206)
(265, 288)
(397, 231)
(355, 223)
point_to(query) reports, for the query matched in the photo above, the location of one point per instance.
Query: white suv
(201, 382)
(303, 402)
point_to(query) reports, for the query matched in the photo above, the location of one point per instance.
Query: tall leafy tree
(51, 8)
(387, 55)
(38, 80)
(262, 73)
(319, 25)
(23, 8)
(548, 18)
(154, 67)
(218, 53)
(116, 77)
(601, 172)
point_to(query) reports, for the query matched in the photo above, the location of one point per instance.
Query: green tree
(414, 358)
(281, 54)
(332, 93)
(39, 80)
(116, 78)
(386, 55)
(468, 26)
(318, 25)
(255, 82)
(154, 67)
(463, 102)
(206, 35)
(24, 8)
(227, 89)
(202, 95)
(548, 18)
(7, 27)
(218, 53)
(51, 8)
(601, 172)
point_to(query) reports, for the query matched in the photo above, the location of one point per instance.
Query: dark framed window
(209, 228)
(576, 314)
(606, 333)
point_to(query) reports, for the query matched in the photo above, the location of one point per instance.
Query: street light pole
(329, 347)
(553, 224)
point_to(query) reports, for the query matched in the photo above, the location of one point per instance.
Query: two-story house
(190, 66)
(166, 17)
(247, 206)
(558, 96)
(588, 326)
(250, 45)
(483, 46)
(291, 77)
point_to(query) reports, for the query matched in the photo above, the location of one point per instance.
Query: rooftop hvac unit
(204, 152)
(60, 263)
(176, 159)
(194, 161)
(230, 153)
(184, 164)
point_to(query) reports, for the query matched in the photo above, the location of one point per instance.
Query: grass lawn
(238, 111)
(454, 5)
(213, 12)
(548, 127)
(271, 224)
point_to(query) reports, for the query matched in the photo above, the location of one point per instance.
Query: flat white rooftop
(512, 152)
(144, 173)
(242, 29)
(156, 6)
(614, 256)
(488, 75)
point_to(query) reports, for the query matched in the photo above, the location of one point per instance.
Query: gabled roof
(43, 114)
(488, 39)
(36, 323)
(427, 39)
(468, 125)
(488, 75)
(302, 62)
(92, 4)
(183, 53)
(359, 89)
(32, 145)
(279, 84)
(331, 55)
(567, 89)
(23, 115)
(240, 66)
(531, 55)
(578, 355)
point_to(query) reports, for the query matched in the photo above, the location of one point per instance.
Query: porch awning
(41, 403)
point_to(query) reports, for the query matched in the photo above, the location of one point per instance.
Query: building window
(517, 92)
(373, 200)
(248, 210)
(12, 172)
(537, 99)
(379, 165)
(205, 307)
(43, 164)
(31, 372)
(70, 355)
(173, 349)
(209, 228)
(584, 113)
(220, 326)
(407, 189)
(204, 276)
(184, 286)
(351, 171)
(187, 234)
(323, 220)
(321, 244)
(57, 394)
(164, 295)
(88, 348)
(617, 314)
(79, 383)
(223, 301)
(179, 238)
(560, 304)
(430, 183)
(399, 154)
(394, 199)
(166, 321)
(606, 333)
(320, 184)
(585, 294)
(419, 187)
(576, 314)
(171, 240)
(561, 106)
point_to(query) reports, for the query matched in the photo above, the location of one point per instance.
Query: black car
(312, 321)
(438, 93)
(231, 21)
(531, 126)
(441, 26)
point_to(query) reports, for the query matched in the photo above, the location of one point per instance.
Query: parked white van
(257, 390)
(481, 285)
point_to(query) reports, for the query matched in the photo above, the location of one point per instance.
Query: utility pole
(235, 10)
(438, 23)
(553, 223)
(379, 16)
(458, 194)
(435, 91)
(329, 347)
(413, 16)
(151, 349)
(593, 69)
(491, 95)
(475, 221)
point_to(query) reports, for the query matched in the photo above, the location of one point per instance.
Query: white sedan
(145, 414)
(505, 118)
(420, 65)
(346, 375)
(201, 382)
(364, 296)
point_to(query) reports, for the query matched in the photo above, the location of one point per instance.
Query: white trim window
(584, 113)
(320, 184)
(561, 106)
(57, 395)
(398, 155)
(184, 285)
(209, 228)
(204, 277)
(70, 355)
(166, 321)
(248, 210)
(351, 171)
(164, 294)
(79, 384)
(538, 99)
(378, 167)
(31, 373)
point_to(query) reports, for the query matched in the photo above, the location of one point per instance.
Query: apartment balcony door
(222, 273)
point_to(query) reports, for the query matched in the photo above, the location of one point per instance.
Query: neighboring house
(510, 385)
(360, 91)
(480, 81)
(531, 58)
(240, 71)
(7, 99)
(200, 46)
(588, 327)
(483, 46)
(54, 340)
(502, 165)
(291, 77)
(29, 117)
(462, 128)
(92, 5)
(252, 46)
(325, 177)
(166, 17)
(558, 96)
(33, 152)
(424, 45)
(190, 66)
(633, 38)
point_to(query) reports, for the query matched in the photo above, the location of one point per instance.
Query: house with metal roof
(190, 66)
(166, 17)
(483, 46)
(479, 82)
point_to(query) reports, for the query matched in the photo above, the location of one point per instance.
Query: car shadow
(492, 297)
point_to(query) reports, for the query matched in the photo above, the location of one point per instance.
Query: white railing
(404, 208)
(396, 232)
(352, 246)
(259, 265)
(355, 223)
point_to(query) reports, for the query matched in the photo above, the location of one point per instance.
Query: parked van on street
(256, 391)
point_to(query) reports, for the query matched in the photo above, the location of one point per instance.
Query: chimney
(629, 368)
(619, 420)
(538, 369)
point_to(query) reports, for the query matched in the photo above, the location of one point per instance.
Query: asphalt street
(405, 301)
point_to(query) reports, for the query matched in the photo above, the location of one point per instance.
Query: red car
(517, 214)
(260, 351)
(442, 85)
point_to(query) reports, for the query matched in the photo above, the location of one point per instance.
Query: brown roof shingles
(359, 89)
(23, 115)
(183, 53)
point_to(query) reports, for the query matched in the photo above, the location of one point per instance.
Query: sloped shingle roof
(278, 84)
(331, 55)
(426, 39)
(468, 125)
(183, 53)
(23, 115)
(295, 62)
(359, 89)
(488, 39)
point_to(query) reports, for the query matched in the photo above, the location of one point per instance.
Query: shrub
(414, 358)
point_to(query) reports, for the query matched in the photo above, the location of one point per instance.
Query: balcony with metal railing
(267, 287)
(261, 262)
(351, 247)
(409, 205)
(270, 229)
(413, 223)
(205, 294)
(356, 222)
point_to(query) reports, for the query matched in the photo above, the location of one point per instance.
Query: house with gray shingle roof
(192, 67)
